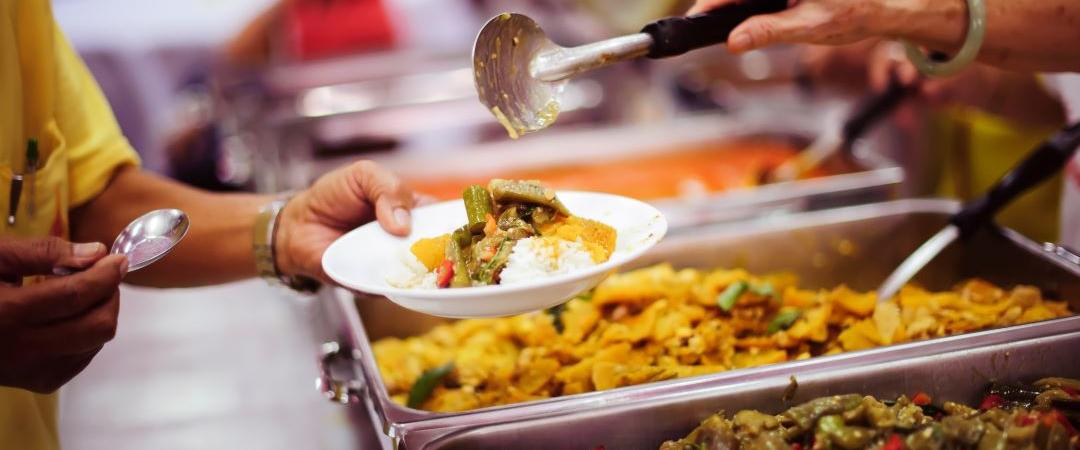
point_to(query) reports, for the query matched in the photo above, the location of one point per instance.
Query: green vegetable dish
(500, 216)
(1041, 416)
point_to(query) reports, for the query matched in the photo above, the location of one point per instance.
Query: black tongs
(1047, 160)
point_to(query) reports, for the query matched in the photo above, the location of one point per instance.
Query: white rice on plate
(531, 258)
(411, 274)
(534, 258)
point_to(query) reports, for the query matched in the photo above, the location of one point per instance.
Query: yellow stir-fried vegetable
(660, 323)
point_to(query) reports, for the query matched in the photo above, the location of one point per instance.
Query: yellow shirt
(46, 93)
(977, 149)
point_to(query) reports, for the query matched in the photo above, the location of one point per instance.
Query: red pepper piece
(991, 401)
(1071, 391)
(894, 443)
(1048, 419)
(796, 446)
(446, 273)
(921, 399)
(1025, 420)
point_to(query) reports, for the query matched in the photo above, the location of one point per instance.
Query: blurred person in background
(977, 123)
(296, 32)
(1006, 106)
(287, 30)
(57, 131)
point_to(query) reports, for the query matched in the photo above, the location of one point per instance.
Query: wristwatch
(263, 238)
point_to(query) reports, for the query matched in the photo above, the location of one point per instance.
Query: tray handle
(1063, 253)
(345, 392)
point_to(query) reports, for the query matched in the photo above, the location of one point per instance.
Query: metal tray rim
(394, 415)
(781, 381)
(565, 145)
(627, 395)
(875, 176)
(399, 421)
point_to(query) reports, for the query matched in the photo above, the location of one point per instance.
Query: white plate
(365, 258)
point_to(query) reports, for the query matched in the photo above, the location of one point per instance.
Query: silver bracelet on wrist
(264, 237)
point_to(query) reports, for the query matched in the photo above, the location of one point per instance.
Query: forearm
(217, 248)
(1030, 35)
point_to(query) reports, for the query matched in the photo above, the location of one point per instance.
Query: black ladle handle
(876, 107)
(881, 105)
(1037, 167)
(674, 36)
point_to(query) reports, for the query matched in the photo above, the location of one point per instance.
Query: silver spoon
(520, 74)
(150, 237)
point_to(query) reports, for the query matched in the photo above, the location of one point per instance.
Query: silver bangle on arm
(263, 239)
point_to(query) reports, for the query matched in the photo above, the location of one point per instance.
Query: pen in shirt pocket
(16, 193)
(32, 158)
(17, 183)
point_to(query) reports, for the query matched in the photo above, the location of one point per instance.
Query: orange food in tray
(684, 171)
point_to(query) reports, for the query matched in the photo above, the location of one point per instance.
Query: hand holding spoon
(148, 239)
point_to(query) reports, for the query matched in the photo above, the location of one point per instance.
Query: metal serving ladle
(839, 140)
(520, 74)
(150, 237)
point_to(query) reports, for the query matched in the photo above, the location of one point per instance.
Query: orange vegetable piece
(921, 399)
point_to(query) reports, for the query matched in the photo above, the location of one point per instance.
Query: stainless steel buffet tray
(873, 176)
(960, 375)
(857, 245)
